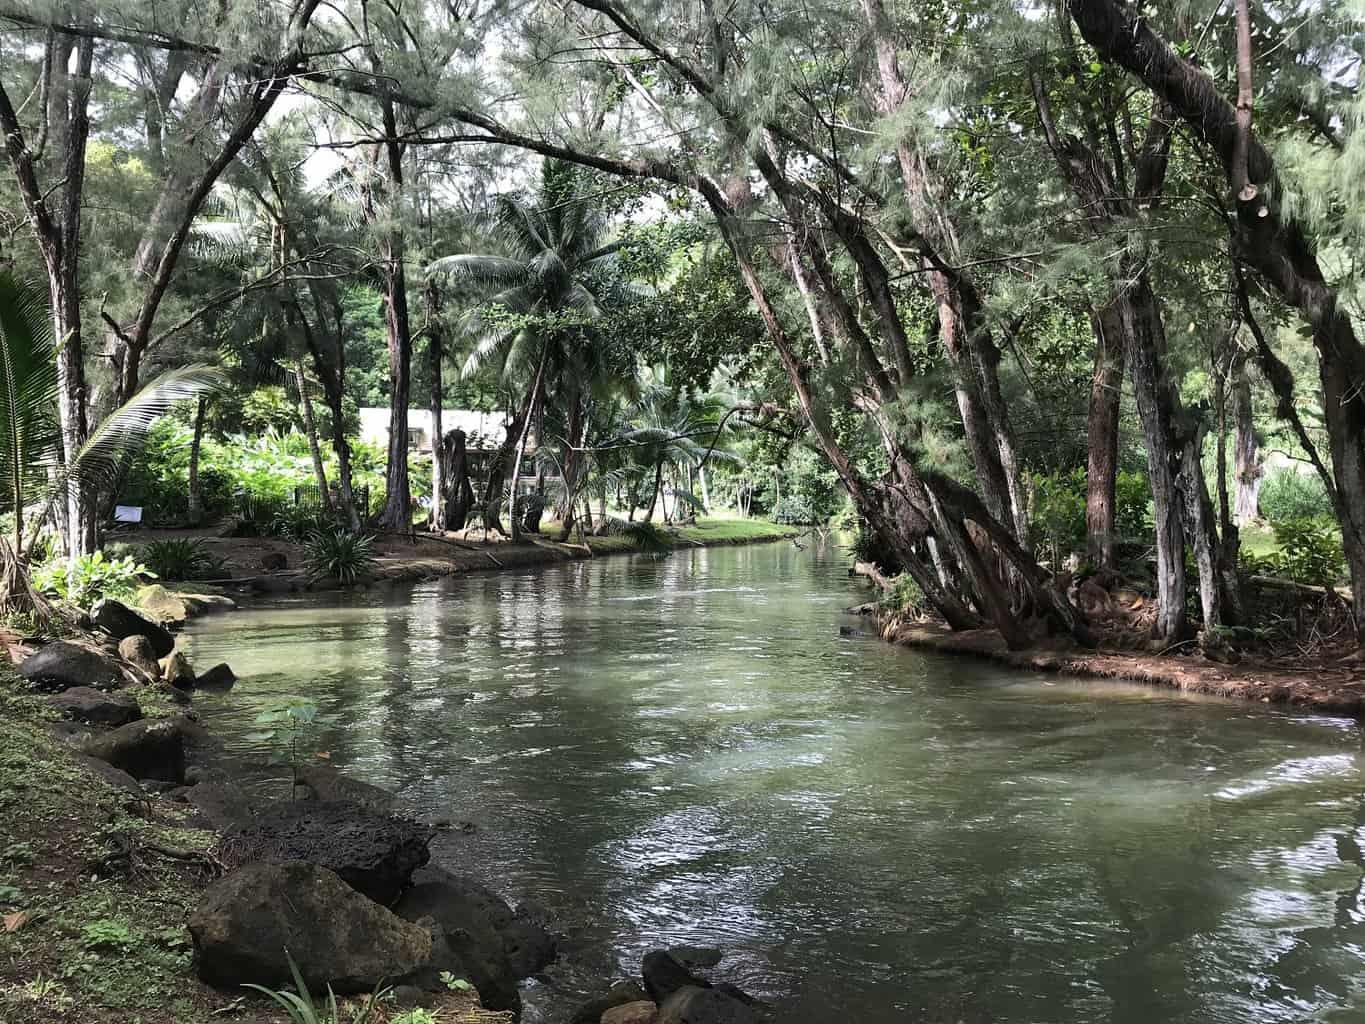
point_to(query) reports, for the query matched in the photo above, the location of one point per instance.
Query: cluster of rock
(344, 887)
(670, 992)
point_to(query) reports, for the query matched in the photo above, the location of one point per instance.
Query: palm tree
(31, 473)
(543, 294)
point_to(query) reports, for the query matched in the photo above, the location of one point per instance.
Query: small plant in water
(287, 722)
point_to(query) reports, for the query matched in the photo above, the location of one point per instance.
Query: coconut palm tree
(32, 473)
(544, 292)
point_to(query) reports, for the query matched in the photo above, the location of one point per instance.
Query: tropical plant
(285, 724)
(82, 581)
(1287, 494)
(340, 554)
(182, 558)
(29, 437)
(301, 1009)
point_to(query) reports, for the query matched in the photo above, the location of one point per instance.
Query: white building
(484, 431)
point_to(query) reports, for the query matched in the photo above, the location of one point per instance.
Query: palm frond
(120, 437)
(28, 387)
(484, 269)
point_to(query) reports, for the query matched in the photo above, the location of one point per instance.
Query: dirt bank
(1333, 686)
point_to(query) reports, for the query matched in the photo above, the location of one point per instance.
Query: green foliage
(301, 1009)
(455, 984)
(286, 724)
(1058, 513)
(91, 577)
(905, 595)
(795, 509)
(1289, 495)
(649, 538)
(340, 554)
(182, 558)
(1309, 551)
(1132, 505)
(109, 933)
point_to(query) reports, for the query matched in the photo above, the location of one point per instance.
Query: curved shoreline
(1335, 689)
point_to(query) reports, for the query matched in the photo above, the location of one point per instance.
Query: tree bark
(1247, 468)
(196, 498)
(310, 427)
(1102, 437)
(397, 512)
(434, 337)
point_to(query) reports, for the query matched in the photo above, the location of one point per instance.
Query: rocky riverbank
(140, 879)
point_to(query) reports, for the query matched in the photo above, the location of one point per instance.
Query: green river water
(685, 750)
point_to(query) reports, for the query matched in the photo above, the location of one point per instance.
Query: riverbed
(686, 750)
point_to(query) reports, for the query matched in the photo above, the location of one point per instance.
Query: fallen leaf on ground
(13, 922)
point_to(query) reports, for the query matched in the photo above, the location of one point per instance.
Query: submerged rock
(696, 956)
(694, 1005)
(219, 677)
(664, 975)
(121, 622)
(95, 707)
(337, 937)
(374, 854)
(63, 664)
(143, 749)
(320, 782)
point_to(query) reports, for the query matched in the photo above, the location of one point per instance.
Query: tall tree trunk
(332, 372)
(196, 498)
(310, 427)
(1102, 436)
(531, 412)
(574, 464)
(1247, 467)
(658, 486)
(397, 512)
(434, 336)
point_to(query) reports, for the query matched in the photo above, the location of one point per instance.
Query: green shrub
(1058, 513)
(299, 522)
(648, 537)
(1288, 495)
(341, 554)
(904, 595)
(1309, 552)
(1133, 506)
(182, 558)
(91, 578)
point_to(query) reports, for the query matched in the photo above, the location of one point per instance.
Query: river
(685, 750)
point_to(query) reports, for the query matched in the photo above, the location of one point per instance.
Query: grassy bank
(94, 886)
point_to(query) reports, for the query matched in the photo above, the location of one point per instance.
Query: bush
(1310, 552)
(182, 558)
(1287, 495)
(91, 578)
(1058, 513)
(1133, 506)
(341, 554)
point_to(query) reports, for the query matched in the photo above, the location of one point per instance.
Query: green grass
(734, 531)
(1258, 541)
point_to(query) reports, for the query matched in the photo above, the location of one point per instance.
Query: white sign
(127, 513)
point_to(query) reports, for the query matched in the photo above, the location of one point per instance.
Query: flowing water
(686, 750)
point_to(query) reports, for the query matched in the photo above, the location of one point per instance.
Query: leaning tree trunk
(196, 498)
(658, 486)
(1102, 434)
(1247, 467)
(438, 504)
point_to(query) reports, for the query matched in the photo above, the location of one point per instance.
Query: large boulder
(172, 608)
(115, 777)
(374, 854)
(692, 1005)
(95, 707)
(121, 622)
(664, 974)
(176, 670)
(138, 652)
(144, 749)
(473, 919)
(219, 677)
(246, 921)
(217, 804)
(63, 664)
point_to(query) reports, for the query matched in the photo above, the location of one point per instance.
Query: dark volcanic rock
(220, 677)
(116, 777)
(473, 919)
(620, 994)
(373, 854)
(664, 975)
(218, 804)
(95, 707)
(320, 782)
(144, 749)
(696, 956)
(121, 622)
(693, 1005)
(337, 937)
(62, 664)
(176, 670)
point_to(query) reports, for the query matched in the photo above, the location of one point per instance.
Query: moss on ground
(93, 894)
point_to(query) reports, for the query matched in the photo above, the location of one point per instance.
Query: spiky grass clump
(341, 555)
